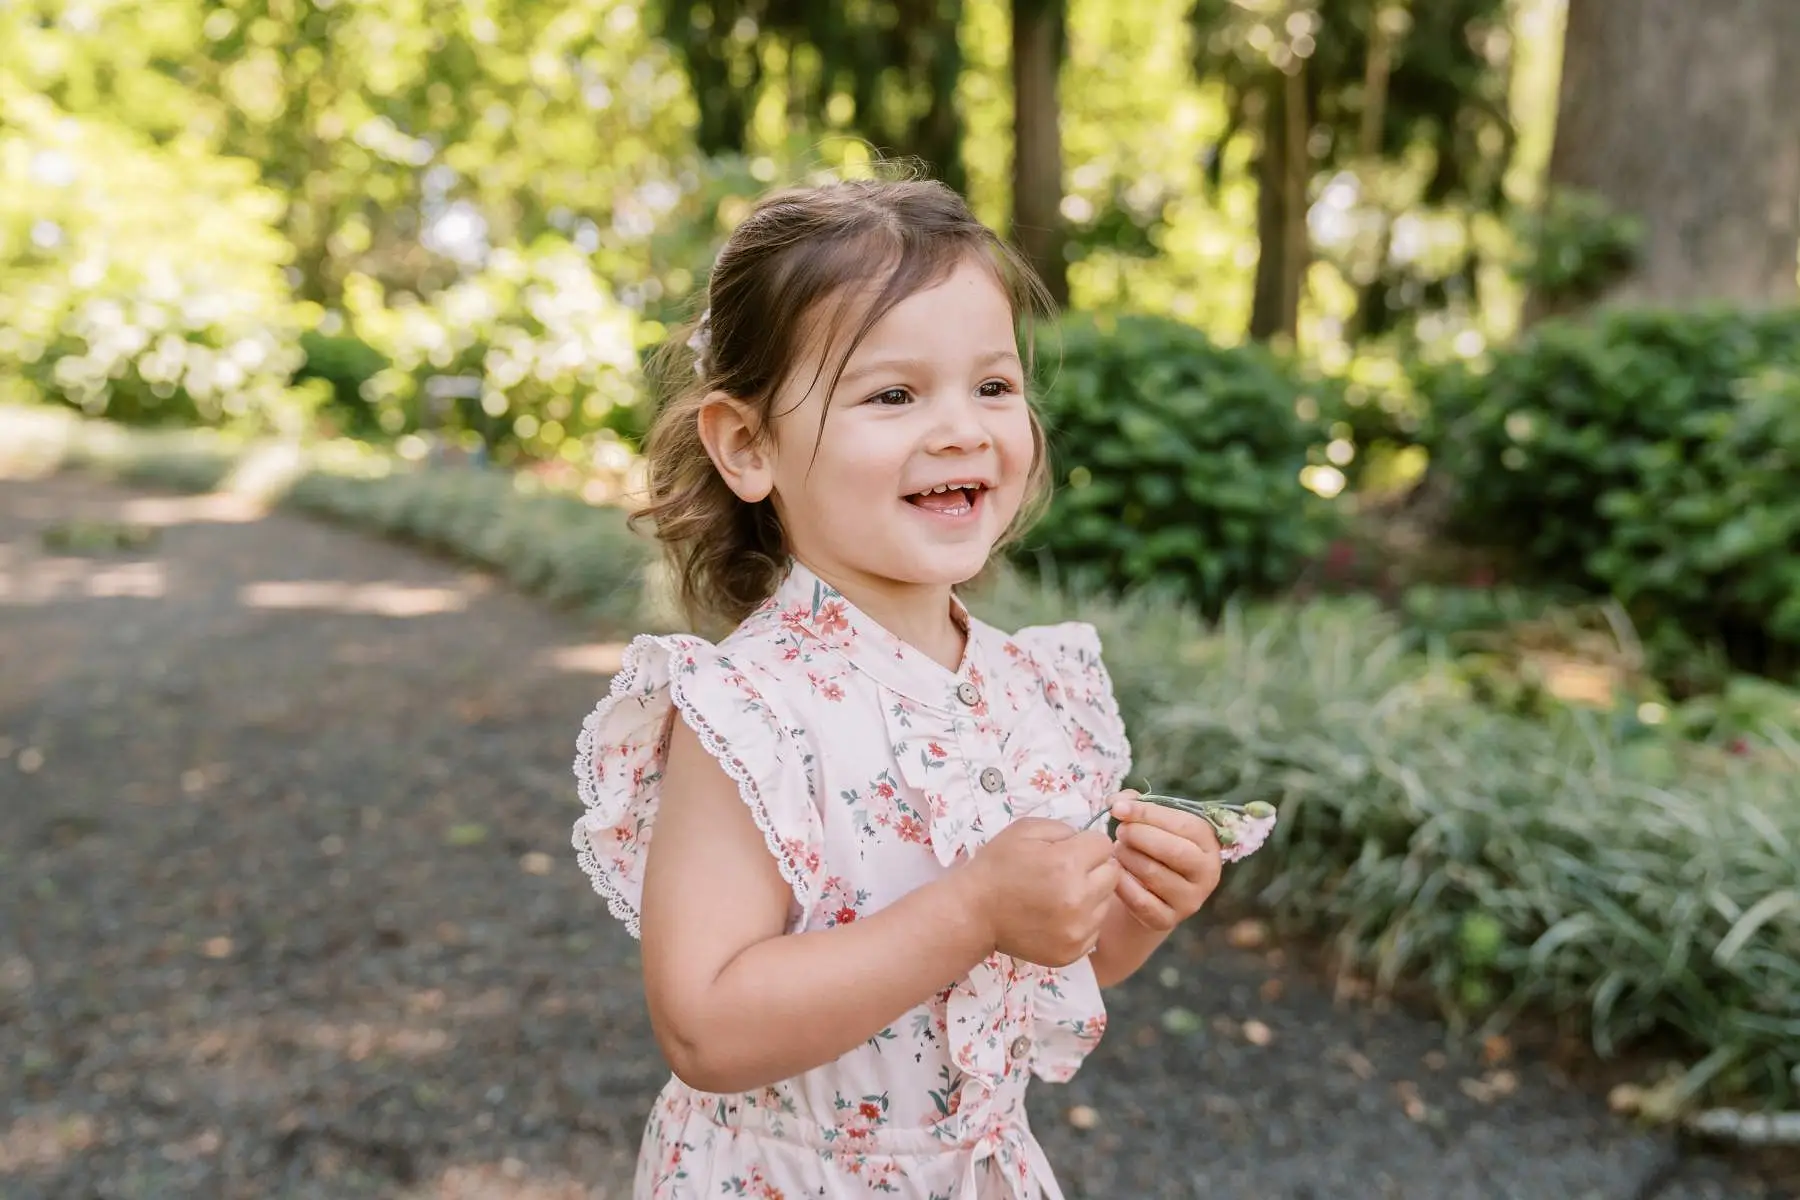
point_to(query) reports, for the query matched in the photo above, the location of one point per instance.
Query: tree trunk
(1037, 54)
(1283, 169)
(1684, 114)
(939, 132)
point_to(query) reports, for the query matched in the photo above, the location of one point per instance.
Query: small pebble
(1248, 934)
(1625, 1099)
(1180, 1021)
(1083, 1117)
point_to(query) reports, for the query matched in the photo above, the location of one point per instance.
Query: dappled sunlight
(387, 599)
(1575, 681)
(43, 1141)
(44, 581)
(242, 1042)
(592, 658)
(214, 508)
(359, 1041)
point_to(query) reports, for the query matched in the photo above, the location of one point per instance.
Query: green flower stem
(1210, 811)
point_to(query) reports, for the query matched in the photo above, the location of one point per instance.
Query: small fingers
(1160, 816)
(1144, 906)
(1191, 851)
(1153, 875)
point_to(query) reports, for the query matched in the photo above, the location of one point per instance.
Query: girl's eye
(891, 396)
(995, 387)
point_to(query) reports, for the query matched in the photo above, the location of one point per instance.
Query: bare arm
(735, 1004)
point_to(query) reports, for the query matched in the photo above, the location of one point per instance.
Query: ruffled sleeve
(623, 746)
(1080, 689)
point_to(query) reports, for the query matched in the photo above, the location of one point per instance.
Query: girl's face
(926, 447)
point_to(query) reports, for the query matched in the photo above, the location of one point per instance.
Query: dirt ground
(288, 909)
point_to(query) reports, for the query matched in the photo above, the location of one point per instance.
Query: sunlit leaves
(117, 299)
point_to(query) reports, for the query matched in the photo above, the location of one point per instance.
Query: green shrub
(1615, 875)
(346, 363)
(116, 301)
(1649, 455)
(532, 357)
(1179, 462)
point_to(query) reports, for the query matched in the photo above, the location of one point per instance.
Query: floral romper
(870, 769)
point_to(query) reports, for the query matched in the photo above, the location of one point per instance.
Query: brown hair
(797, 248)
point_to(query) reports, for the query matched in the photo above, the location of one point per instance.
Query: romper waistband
(1000, 1126)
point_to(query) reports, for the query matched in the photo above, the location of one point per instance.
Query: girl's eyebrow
(913, 363)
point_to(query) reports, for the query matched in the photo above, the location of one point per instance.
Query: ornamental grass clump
(1638, 887)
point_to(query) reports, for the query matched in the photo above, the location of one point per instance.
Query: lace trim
(602, 873)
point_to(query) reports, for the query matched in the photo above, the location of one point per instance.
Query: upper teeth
(952, 487)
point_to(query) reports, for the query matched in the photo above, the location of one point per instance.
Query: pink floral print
(870, 769)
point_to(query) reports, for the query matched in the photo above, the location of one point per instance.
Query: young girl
(853, 836)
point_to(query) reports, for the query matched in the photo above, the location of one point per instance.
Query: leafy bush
(1649, 455)
(117, 301)
(1181, 462)
(1610, 873)
(532, 356)
(346, 363)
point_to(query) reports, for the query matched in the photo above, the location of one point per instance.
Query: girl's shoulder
(720, 691)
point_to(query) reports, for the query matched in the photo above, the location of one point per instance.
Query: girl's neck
(921, 615)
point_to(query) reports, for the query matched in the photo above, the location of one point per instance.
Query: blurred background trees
(468, 224)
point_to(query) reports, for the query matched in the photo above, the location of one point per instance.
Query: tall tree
(1039, 44)
(1354, 87)
(898, 61)
(1711, 170)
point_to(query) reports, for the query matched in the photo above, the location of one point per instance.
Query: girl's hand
(1171, 861)
(1045, 889)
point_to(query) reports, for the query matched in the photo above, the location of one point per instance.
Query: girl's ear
(731, 433)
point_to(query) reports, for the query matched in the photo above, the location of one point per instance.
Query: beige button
(992, 780)
(967, 693)
(1021, 1046)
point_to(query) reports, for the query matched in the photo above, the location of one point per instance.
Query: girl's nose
(959, 425)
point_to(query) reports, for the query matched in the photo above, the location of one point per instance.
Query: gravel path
(287, 910)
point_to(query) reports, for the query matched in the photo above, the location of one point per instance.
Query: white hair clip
(701, 342)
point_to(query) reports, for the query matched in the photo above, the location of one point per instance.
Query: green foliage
(1649, 455)
(1575, 246)
(1179, 461)
(1617, 874)
(890, 67)
(532, 356)
(408, 137)
(1434, 137)
(345, 363)
(116, 300)
(1614, 874)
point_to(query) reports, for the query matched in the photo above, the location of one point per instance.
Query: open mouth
(949, 499)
